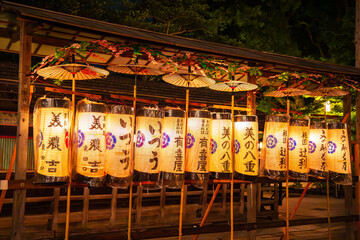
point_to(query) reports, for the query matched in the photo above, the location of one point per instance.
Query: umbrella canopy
(72, 71)
(188, 80)
(233, 86)
(287, 92)
(133, 69)
(327, 92)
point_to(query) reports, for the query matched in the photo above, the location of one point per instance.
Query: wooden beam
(85, 213)
(357, 145)
(113, 206)
(284, 111)
(132, 99)
(229, 108)
(183, 103)
(18, 212)
(55, 209)
(59, 90)
(251, 208)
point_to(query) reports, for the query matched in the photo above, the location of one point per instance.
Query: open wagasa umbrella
(233, 86)
(73, 72)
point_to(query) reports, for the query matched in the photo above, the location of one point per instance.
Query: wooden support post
(276, 198)
(113, 206)
(139, 204)
(85, 215)
(185, 199)
(258, 197)
(251, 208)
(204, 199)
(242, 198)
(162, 203)
(348, 188)
(55, 209)
(224, 194)
(17, 231)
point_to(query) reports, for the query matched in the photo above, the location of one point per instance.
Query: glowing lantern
(198, 144)
(148, 142)
(220, 145)
(172, 151)
(298, 148)
(275, 146)
(51, 124)
(246, 147)
(338, 157)
(318, 149)
(119, 162)
(90, 145)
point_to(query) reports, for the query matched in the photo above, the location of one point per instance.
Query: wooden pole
(182, 186)
(8, 176)
(17, 231)
(132, 152)
(232, 169)
(208, 209)
(357, 145)
(287, 175)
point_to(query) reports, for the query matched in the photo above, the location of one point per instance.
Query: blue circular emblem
(165, 140)
(292, 144)
(40, 138)
(312, 147)
(213, 146)
(140, 139)
(190, 140)
(81, 138)
(271, 141)
(236, 146)
(110, 141)
(331, 147)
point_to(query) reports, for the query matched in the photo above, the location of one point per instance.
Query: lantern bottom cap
(245, 177)
(220, 176)
(40, 178)
(318, 174)
(90, 181)
(341, 178)
(122, 183)
(298, 175)
(198, 180)
(148, 181)
(276, 174)
(172, 180)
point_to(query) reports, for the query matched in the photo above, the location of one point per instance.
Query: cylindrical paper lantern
(338, 157)
(51, 125)
(119, 141)
(318, 150)
(90, 145)
(172, 150)
(220, 145)
(274, 148)
(198, 147)
(147, 147)
(298, 148)
(246, 147)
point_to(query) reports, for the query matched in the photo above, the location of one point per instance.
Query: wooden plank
(22, 130)
(113, 206)
(139, 204)
(229, 108)
(85, 213)
(59, 90)
(55, 210)
(132, 99)
(284, 111)
(183, 103)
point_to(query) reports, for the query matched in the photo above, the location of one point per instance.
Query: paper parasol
(287, 92)
(188, 80)
(327, 92)
(135, 69)
(72, 71)
(233, 86)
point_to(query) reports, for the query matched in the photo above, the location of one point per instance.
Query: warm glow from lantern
(275, 144)
(338, 157)
(318, 149)
(298, 147)
(91, 145)
(147, 147)
(246, 146)
(173, 144)
(220, 145)
(198, 144)
(327, 106)
(51, 126)
(118, 145)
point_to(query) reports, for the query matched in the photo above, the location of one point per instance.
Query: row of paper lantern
(103, 142)
(318, 149)
(103, 148)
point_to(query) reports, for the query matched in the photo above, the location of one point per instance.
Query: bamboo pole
(287, 175)
(208, 209)
(232, 169)
(132, 152)
(68, 196)
(182, 186)
(327, 189)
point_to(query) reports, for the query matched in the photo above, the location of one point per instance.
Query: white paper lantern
(318, 150)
